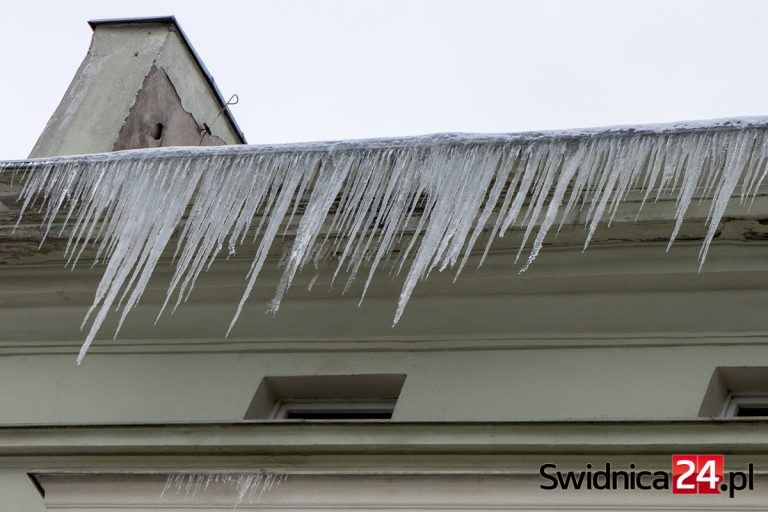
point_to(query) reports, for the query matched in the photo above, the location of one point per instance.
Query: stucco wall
(18, 493)
(98, 101)
(616, 333)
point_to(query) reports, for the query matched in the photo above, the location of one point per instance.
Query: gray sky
(323, 69)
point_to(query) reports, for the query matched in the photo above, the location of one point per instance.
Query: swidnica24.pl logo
(691, 474)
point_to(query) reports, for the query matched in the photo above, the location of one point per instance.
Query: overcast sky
(322, 69)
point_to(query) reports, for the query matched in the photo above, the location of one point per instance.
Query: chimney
(140, 85)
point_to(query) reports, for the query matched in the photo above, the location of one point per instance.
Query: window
(332, 410)
(736, 392)
(746, 405)
(326, 397)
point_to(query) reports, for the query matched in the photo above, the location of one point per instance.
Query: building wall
(18, 493)
(575, 338)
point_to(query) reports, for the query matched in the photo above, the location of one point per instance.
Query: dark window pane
(298, 414)
(752, 410)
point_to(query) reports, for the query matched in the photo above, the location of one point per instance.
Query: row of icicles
(356, 201)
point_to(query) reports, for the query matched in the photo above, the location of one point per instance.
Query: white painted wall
(18, 493)
(575, 338)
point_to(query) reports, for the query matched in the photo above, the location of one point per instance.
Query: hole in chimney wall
(156, 132)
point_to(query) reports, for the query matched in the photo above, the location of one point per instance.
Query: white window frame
(282, 408)
(737, 400)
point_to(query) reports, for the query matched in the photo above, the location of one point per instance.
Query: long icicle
(360, 198)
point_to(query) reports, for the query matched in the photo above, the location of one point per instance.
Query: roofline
(172, 21)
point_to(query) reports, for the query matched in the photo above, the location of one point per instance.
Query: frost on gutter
(360, 197)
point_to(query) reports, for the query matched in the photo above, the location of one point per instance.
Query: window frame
(282, 408)
(736, 400)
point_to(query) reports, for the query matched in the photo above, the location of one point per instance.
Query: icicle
(359, 199)
(248, 488)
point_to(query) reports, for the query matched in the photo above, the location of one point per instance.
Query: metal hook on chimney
(233, 100)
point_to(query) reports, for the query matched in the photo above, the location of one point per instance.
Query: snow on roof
(426, 141)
